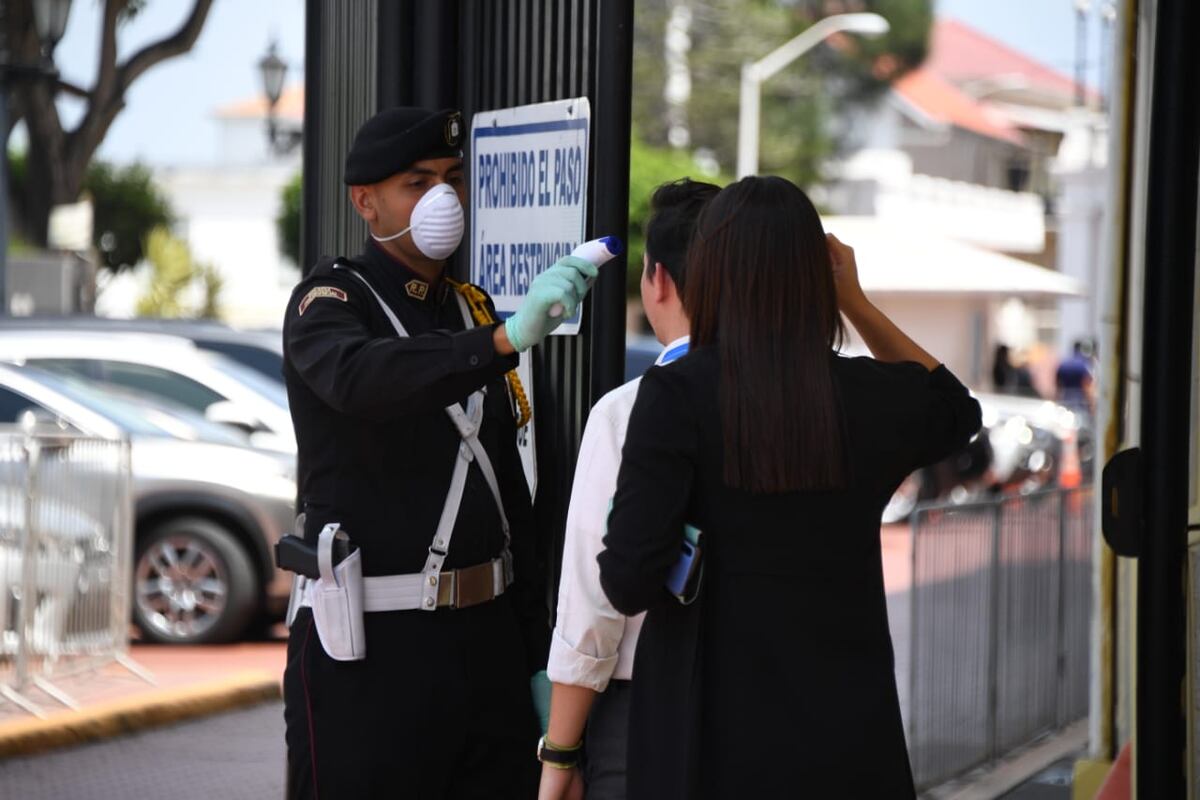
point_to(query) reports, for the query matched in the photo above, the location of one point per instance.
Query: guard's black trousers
(439, 708)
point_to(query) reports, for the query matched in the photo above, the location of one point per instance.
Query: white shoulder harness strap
(468, 424)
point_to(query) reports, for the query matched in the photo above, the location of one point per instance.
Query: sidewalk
(188, 682)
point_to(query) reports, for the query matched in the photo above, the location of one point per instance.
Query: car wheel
(193, 583)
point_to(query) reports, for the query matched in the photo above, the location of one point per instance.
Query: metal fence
(1000, 614)
(66, 538)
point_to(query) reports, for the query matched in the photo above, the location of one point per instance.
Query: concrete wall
(1084, 249)
(954, 329)
(227, 216)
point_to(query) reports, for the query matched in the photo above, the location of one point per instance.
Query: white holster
(337, 600)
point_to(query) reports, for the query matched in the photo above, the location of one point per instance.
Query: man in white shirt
(591, 652)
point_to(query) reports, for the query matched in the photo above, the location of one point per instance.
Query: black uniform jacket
(780, 676)
(376, 448)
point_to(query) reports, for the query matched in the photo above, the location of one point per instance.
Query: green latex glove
(564, 284)
(539, 684)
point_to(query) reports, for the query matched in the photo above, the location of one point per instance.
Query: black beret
(396, 138)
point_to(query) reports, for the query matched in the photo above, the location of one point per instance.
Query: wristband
(556, 756)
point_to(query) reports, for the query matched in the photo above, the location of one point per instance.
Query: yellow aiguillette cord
(477, 302)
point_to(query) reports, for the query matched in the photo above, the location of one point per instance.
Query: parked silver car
(208, 509)
(166, 367)
(259, 350)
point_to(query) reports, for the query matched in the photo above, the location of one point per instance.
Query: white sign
(529, 170)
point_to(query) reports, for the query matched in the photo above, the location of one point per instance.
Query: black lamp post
(50, 23)
(274, 71)
(1082, 7)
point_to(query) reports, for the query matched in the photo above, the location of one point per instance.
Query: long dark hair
(761, 290)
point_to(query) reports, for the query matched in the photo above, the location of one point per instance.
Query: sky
(221, 68)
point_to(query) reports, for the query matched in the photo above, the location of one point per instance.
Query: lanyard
(676, 352)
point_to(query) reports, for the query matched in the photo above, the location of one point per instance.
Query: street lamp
(50, 23)
(273, 70)
(755, 73)
(1082, 7)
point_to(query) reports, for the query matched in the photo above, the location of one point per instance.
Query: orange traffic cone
(1070, 475)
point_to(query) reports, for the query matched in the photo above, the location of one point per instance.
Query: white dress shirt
(592, 641)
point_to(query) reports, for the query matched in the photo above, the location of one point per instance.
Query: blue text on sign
(530, 178)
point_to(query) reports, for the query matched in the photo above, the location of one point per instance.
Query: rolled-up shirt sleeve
(584, 649)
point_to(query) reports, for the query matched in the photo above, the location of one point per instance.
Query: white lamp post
(756, 72)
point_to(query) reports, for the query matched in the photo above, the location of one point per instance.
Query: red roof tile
(942, 101)
(291, 105)
(960, 53)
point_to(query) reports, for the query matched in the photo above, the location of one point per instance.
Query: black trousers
(439, 708)
(607, 742)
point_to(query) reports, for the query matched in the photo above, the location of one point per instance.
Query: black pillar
(340, 93)
(611, 193)
(1161, 743)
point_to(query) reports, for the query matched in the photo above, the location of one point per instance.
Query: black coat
(779, 680)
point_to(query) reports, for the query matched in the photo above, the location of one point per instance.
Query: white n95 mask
(436, 223)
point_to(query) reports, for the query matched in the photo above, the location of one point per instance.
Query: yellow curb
(128, 715)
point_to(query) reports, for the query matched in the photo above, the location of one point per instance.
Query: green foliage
(18, 171)
(128, 206)
(725, 34)
(871, 64)
(131, 10)
(287, 224)
(797, 103)
(212, 284)
(650, 167)
(18, 246)
(175, 276)
(125, 202)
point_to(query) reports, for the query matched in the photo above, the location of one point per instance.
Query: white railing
(66, 558)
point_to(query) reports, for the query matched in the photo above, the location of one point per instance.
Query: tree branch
(176, 44)
(112, 81)
(106, 69)
(66, 87)
(24, 47)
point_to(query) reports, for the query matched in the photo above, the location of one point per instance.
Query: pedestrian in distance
(421, 614)
(1074, 380)
(592, 646)
(777, 680)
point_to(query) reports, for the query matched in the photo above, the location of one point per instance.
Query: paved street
(232, 756)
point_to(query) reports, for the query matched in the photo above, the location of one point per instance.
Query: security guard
(406, 406)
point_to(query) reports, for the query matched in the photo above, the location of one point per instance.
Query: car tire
(193, 583)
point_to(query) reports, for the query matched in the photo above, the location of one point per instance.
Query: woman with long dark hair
(778, 680)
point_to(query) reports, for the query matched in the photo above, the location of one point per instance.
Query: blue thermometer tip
(613, 244)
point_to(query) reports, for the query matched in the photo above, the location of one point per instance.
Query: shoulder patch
(319, 292)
